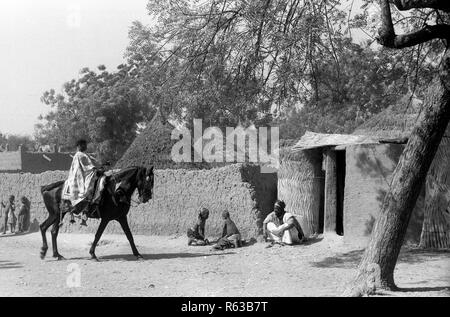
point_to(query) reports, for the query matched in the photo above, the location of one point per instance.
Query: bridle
(137, 203)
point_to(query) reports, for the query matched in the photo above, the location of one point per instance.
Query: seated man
(282, 227)
(82, 181)
(196, 234)
(231, 236)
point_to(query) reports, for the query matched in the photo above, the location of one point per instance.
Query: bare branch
(388, 38)
(426, 34)
(402, 5)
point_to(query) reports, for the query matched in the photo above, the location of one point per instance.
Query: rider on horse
(85, 183)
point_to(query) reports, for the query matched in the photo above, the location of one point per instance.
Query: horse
(130, 179)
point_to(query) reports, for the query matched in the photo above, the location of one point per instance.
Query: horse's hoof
(59, 257)
(94, 258)
(43, 254)
(139, 257)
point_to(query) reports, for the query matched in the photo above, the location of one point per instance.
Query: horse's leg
(124, 223)
(43, 227)
(55, 231)
(98, 235)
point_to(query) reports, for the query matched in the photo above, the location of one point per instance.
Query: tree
(14, 141)
(102, 107)
(372, 81)
(230, 62)
(376, 270)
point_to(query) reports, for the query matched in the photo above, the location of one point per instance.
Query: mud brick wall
(243, 190)
(26, 184)
(178, 194)
(369, 171)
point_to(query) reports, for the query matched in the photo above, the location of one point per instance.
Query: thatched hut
(356, 171)
(433, 205)
(349, 176)
(153, 147)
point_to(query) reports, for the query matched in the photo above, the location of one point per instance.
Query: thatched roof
(311, 140)
(152, 147)
(395, 122)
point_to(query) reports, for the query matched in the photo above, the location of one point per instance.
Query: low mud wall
(241, 189)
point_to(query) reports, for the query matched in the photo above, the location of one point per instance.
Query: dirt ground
(171, 268)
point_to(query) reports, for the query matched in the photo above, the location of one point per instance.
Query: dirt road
(171, 268)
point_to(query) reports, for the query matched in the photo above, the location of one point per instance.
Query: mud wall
(369, 171)
(243, 190)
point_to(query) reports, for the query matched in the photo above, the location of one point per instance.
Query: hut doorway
(340, 190)
(335, 169)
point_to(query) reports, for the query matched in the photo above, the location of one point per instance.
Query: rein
(116, 180)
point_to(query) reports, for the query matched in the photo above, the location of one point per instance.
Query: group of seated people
(279, 227)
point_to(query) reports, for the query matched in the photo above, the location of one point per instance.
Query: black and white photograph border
(225, 152)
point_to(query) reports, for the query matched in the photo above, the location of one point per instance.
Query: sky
(45, 43)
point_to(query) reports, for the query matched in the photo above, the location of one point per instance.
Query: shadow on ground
(312, 241)
(153, 256)
(407, 255)
(10, 265)
(425, 289)
(17, 234)
(342, 260)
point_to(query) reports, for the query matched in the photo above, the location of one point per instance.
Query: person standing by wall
(9, 214)
(2, 207)
(24, 214)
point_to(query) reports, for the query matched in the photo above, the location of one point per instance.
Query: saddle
(95, 198)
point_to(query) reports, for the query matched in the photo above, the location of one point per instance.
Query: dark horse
(130, 179)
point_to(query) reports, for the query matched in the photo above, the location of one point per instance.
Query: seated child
(231, 236)
(196, 234)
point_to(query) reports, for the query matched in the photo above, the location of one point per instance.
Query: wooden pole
(330, 193)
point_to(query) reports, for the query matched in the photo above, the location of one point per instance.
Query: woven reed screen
(301, 185)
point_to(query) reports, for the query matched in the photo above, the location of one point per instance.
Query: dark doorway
(340, 190)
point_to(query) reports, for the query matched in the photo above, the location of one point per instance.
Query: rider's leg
(97, 200)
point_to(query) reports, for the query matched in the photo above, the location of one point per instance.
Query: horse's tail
(47, 188)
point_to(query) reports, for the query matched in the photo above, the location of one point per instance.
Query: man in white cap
(281, 226)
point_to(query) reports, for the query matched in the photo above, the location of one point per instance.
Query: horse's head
(145, 182)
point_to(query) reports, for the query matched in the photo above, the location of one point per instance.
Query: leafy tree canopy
(291, 63)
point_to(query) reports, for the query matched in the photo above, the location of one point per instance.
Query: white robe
(273, 224)
(81, 173)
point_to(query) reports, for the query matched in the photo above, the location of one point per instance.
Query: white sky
(45, 43)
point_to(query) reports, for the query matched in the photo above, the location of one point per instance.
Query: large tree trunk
(436, 229)
(376, 270)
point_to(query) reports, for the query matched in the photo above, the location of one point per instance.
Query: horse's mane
(125, 173)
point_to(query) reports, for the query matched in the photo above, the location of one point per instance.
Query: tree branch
(388, 38)
(428, 33)
(402, 5)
